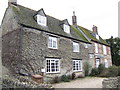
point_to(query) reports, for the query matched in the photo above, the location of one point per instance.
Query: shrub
(112, 71)
(69, 77)
(55, 79)
(118, 70)
(65, 78)
(94, 72)
(101, 68)
(104, 73)
(87, 68)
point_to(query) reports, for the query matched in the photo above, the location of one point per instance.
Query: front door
(97, 62)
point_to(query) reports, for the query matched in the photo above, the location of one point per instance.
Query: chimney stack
(95, 29)
(12, 2)
(74, 19)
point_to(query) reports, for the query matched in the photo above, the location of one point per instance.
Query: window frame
(76, 49)
(52, 42)
(66, 28)
(42, 20)
(104, 50)
(79, 62)
(106, 63)
(97, 62)
(50, 59)
(96, 48)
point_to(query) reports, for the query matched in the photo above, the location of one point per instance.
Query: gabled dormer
(66, 26)
(41, 18)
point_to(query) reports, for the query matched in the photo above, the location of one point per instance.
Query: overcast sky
(102, 13)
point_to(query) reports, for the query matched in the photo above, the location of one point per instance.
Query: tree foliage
(115, 50)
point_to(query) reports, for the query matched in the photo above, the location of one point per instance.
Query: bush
(69, 77)
(101, 68)
(94, 72)
(118, 70)
(65, 78)
(112, 71)
(56, 79)
(104, 72)
(87, 68)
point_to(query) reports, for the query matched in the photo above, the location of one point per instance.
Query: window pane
(41, 20)
(77, 65)
(96, 48)
(52, 43)
(75, 47)
(66, 28)
(52, 65)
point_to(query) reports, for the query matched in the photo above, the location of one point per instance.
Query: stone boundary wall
(23, 83)
(112, 82)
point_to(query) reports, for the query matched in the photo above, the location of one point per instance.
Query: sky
(101, 13)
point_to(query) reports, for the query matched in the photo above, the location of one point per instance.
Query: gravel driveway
(88, 82)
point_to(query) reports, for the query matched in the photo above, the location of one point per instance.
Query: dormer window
(66, 28)
(41, 20)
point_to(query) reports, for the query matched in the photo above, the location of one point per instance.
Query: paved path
(88, 82)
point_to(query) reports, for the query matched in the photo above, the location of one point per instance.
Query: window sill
(52, 72)
(52, 48)
(78, 71)
(75, 52)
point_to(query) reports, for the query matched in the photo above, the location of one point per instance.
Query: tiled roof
(91, 35)
(26, 17)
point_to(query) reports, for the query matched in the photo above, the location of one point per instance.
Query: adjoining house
(102, 52)
(36, 43)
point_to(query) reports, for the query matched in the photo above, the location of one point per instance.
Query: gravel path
(88, 82)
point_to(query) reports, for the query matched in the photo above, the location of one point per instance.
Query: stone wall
(22, 82)
(25, 51)
(111, 82)
(11, 50)
(35, 51)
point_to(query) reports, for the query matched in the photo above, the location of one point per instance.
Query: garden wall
(113, 82)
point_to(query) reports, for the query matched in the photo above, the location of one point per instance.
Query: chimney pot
(95, 29)
(12, 2)
(74, 19)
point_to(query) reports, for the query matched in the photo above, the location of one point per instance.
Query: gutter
(53, 33)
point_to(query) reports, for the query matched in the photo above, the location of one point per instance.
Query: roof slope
(91, 36)
(25, 16)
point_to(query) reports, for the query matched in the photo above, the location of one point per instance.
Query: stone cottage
(36, 43)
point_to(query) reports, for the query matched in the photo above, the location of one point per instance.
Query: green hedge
(101, 71)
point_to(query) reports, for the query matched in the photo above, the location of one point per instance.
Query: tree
(115, 50)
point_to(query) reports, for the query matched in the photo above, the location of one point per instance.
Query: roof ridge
(23, 6)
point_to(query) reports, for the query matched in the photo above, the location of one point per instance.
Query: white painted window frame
(42, 20)
(96, 48)
(79, 62)
(52, 42)
(76, 47)
(54, 60)
(104, 50)
(106, 63)
(97, 62)
(66, 28)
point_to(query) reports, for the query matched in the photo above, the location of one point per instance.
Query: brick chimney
(74, 19)
(95, 29)
(12, 2)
